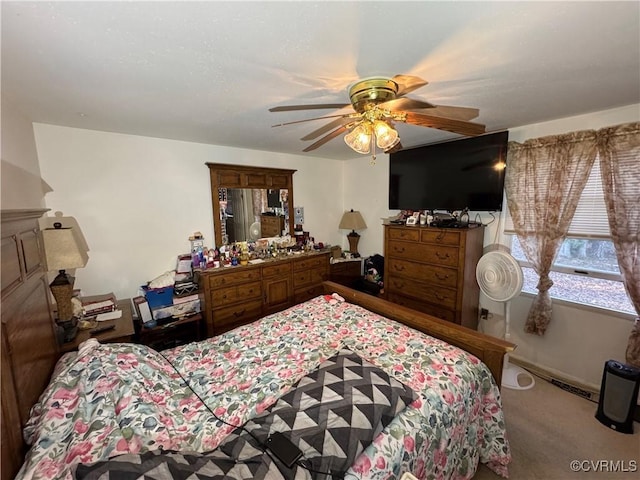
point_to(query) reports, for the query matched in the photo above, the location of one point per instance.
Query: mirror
(246, 199)
(242, 211)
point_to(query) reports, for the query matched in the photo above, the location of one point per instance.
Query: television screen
(467, 173)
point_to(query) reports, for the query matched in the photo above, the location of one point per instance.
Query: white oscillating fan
(255, 231)
(500, 278)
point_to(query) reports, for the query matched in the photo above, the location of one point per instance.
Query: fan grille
(499, 276)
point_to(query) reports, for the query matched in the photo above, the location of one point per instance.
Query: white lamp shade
(63, 249)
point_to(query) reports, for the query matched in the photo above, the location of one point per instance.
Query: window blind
(590, 219)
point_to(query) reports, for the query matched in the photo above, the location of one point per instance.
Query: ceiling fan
(378, 103)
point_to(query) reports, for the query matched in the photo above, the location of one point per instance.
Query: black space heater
(618, 394)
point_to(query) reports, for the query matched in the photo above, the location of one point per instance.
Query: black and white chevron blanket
(331, 415)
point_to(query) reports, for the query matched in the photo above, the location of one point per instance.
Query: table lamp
(63, 250)
(352, 221)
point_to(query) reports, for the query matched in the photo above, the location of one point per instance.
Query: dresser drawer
(226, 318)
(406, 234)
(445, 297)
(226, 279)
(308, 277)
(320, 261)
(442, 276)
(228, 295)
(438, 254)
(276, 270)
(443, 313)
(440, 237)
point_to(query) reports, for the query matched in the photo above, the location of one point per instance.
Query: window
(585, 269)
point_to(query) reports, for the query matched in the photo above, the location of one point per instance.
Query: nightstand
(346, 271)
(174, 333)
(122, 333)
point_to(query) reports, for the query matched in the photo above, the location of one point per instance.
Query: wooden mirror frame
(224, 175)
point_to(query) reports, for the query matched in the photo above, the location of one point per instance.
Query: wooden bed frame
(488, 349)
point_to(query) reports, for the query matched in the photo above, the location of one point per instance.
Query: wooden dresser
(235, 296)
(271, 225)
(433, 270)
(29, 345)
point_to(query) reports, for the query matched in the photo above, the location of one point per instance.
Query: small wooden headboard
(29, 346)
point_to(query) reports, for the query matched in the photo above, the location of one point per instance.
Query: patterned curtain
(544, 179)
(619, 153)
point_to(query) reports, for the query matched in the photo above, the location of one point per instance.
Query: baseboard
(565, 383)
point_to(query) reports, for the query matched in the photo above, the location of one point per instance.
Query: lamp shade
(352, 221)
(63, 249)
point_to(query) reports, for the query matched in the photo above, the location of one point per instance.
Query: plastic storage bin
(158, 297)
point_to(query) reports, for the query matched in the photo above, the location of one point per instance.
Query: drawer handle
(399, 268)
(224, 297)
(441, 276)
(442, 256)
(440, 297)
(240, 313)
(399, 249)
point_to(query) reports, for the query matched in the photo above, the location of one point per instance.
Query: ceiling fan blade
(405, 104)
(408, 83)
(331, 125)
(288, 108)
(457, 113)
(441, 123)
(326, 138)
(308, 120)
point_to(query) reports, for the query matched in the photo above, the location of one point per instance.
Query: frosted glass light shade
(359, 138)
(386, 137)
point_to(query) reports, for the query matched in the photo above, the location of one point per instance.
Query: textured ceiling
(208, 71)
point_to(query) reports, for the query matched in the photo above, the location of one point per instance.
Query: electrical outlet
(484, 314)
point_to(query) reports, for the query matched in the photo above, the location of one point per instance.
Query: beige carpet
(548, 428)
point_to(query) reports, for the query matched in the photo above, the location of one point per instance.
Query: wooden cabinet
(239, 295)
(178, 332)
(346, 272)
(271, 225)
(277, 286)
(432, 270)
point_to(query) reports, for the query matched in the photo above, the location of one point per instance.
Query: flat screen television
(452, 176)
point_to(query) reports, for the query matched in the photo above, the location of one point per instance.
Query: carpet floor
(548, 428)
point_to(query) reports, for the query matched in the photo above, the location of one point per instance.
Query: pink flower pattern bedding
(127, 398)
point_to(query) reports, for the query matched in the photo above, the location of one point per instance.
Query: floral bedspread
(112, 399)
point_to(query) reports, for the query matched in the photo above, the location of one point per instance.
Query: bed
(110, 409)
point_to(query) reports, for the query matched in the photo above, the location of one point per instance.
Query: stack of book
(97, 304)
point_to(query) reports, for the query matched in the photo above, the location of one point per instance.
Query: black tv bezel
(458, 144)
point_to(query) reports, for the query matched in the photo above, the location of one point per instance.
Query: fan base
(512, 376)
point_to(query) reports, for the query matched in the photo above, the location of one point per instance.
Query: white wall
(22, 186)
(579, 340)
(137, 199)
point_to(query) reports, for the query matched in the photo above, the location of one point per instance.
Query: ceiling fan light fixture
(359, 138)
(386, 136)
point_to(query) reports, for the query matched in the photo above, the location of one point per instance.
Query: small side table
(346, 271)
(123, 331)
